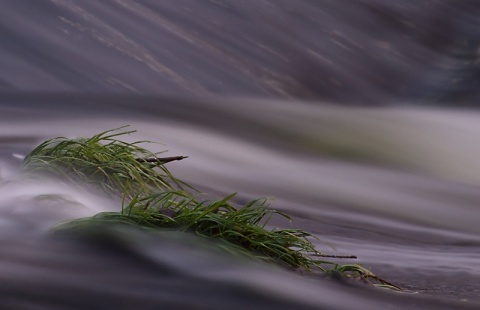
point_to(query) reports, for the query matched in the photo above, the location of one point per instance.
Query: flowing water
(357, 116)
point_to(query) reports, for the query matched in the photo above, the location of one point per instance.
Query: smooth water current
(346, 112)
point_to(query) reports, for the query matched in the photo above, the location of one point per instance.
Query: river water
(358, 117)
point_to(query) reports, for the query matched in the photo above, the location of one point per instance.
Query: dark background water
(333, 107)
(349, 51)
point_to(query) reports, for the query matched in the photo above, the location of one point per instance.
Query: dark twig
(384, 282)
(161, 160)
(336, 256)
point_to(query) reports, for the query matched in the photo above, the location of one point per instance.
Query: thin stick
(336, 256)
(162, 160)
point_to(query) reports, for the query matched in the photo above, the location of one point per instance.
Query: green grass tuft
(103, 161)
(154, 199)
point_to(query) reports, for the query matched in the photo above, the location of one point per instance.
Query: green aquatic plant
(153, 199)
(244, 227)
(103, 161)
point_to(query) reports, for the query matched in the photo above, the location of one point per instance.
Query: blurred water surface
(347, 112)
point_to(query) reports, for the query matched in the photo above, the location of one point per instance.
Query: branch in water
(336, 256)
(161, 160)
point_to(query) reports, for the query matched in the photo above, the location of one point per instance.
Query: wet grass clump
(154, 199)
(102, 161)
